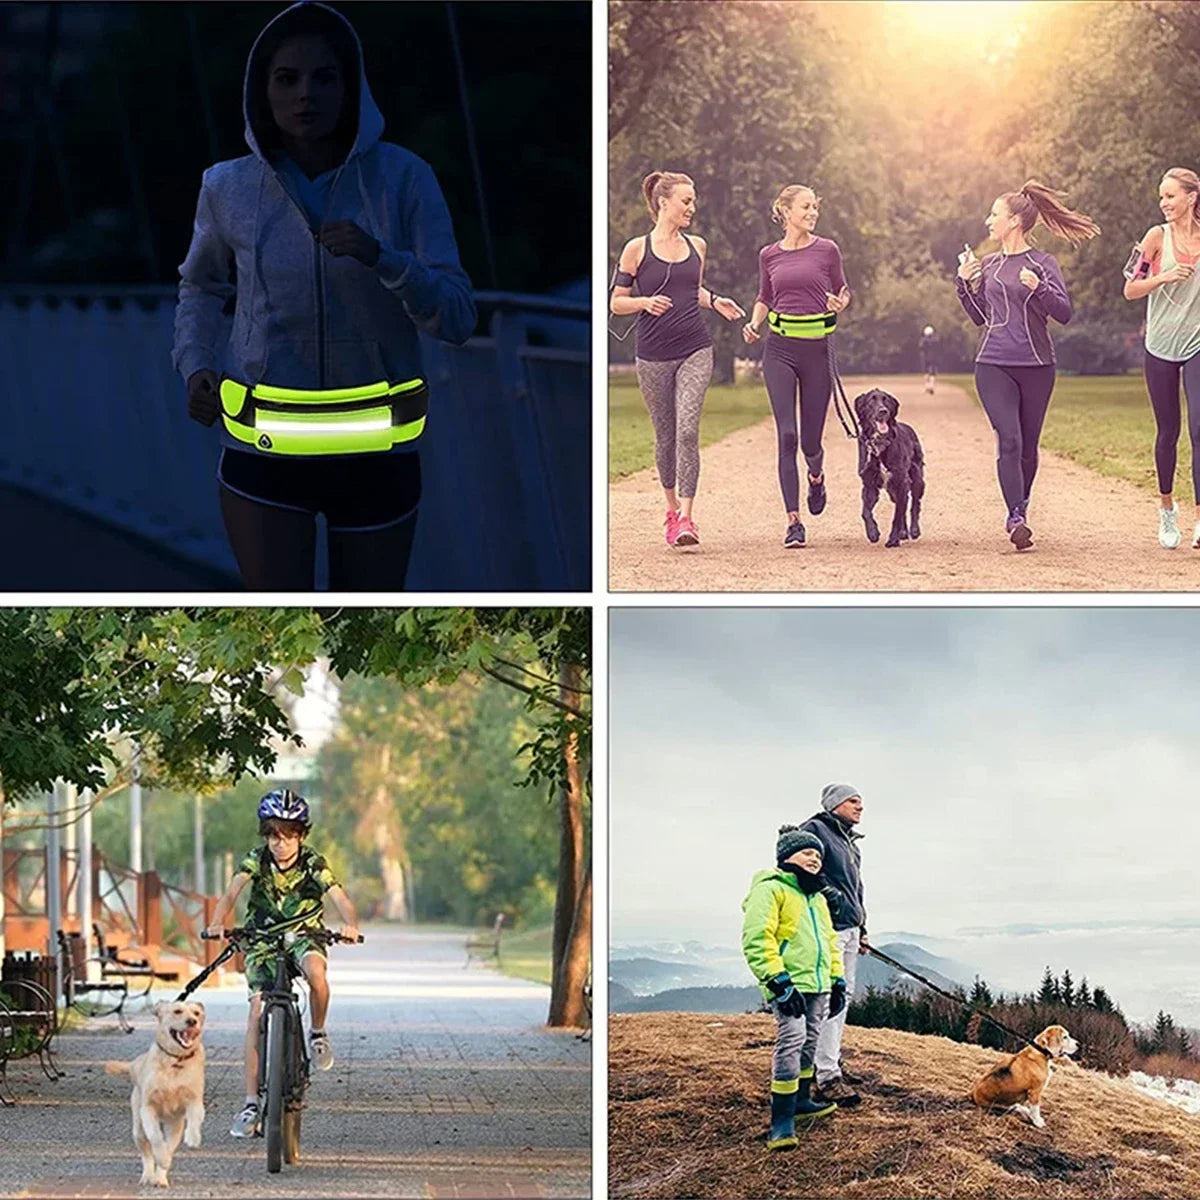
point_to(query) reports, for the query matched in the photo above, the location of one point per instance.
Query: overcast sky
(1016, 765)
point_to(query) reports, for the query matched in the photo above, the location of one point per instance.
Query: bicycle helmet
(284, 805)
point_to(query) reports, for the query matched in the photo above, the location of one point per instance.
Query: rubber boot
(783, 1115)
(806, 1106)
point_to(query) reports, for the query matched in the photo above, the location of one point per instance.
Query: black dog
(889, 455)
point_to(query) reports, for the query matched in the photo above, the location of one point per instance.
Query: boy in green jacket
(789, 943)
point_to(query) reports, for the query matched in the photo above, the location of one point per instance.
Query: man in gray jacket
(841, 810)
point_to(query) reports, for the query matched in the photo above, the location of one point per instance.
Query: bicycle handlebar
(248, 933)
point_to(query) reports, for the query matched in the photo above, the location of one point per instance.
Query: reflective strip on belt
(374, 417)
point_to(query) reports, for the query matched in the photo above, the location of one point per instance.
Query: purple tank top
(680, 331)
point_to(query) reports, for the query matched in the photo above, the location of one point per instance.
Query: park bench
(485, 945)
(103, 997)
(28, 1024)
(113, 965)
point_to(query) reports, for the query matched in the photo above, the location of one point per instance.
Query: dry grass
(688, 1114)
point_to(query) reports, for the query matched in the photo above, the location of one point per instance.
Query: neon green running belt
(816, 325)
(354, 420)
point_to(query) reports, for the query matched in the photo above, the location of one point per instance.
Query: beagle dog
(1018, 1084)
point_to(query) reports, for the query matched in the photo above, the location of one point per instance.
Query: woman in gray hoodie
(338, 250)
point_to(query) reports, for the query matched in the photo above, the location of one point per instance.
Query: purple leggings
(1015, 400)
(1162, 382)
(791, 366)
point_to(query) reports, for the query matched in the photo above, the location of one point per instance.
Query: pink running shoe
(688, 534)
(672, 524)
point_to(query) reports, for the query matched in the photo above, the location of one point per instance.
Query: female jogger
(342, 250)
(674, 357)
(1012, 294)
(801, 289)
(1163, 268)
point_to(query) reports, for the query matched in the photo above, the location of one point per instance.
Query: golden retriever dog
(1019, 1083)
(168, 1088)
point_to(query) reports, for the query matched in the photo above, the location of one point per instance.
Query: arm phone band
(622, 279)
(1137, 266)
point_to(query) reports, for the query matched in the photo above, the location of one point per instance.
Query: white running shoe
(1168, 527)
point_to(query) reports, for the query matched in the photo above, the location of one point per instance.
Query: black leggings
(1162, 382)
(1015, 400)
(270, 508)
(786, 364)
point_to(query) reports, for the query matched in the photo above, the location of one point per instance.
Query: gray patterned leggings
(674, 394)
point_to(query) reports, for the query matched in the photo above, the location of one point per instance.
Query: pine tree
(981, 996)
(1083, 997)
(1067, 988)
(1101, 1001)
(1046, 993)
(1164, 1029)
(1185, 1043)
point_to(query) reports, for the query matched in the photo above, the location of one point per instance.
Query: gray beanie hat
(834, 793)
(793, 838)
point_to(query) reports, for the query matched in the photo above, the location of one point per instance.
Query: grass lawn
(1102, 422)
(526, 954)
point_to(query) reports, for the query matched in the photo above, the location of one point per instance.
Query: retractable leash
(841, 406)
(899, 966)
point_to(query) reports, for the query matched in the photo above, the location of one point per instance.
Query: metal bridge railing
(92, 416)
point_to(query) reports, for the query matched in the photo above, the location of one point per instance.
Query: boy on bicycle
(286, 878)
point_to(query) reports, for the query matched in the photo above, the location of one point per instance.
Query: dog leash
(845, 413)
(899, 966)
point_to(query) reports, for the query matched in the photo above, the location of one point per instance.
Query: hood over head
(361, 123)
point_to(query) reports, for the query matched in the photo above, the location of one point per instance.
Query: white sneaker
(1168, 527)
(1196, 537)
(322, 1052)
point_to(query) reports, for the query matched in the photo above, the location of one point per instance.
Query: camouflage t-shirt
(276, 895)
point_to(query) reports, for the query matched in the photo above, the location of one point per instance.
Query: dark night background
(109, 113)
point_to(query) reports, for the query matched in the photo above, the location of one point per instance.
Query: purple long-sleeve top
(795, 281)
(1015, 333)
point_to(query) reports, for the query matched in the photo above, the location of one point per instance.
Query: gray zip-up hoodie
(304, 318)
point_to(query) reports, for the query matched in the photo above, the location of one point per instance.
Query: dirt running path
(1092, 534)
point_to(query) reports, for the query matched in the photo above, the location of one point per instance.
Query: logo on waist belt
(265, 442)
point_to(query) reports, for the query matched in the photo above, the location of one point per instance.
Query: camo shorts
(260, 961)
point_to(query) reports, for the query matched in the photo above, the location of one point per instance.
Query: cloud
(1017, 765)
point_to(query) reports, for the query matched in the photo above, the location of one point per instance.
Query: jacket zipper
(816, 937)
(320, 312)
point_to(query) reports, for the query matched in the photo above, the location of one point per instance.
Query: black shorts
(354, 491)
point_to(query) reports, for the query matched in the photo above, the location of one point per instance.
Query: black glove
(837, 997)
(204, 401)
(789, 1001)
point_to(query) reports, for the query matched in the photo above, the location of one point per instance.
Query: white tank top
(1173, 311)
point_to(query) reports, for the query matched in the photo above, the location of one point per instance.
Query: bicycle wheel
(276, 1040)
(291, 1136)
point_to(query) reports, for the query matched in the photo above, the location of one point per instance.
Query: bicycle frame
(282, 996)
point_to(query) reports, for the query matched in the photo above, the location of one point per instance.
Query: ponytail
(1035, 201)
(658, 186)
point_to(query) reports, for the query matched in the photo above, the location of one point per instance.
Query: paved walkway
(446, 1085)
(1091, 533)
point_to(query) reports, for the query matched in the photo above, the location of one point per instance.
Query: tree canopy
(908, 120)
